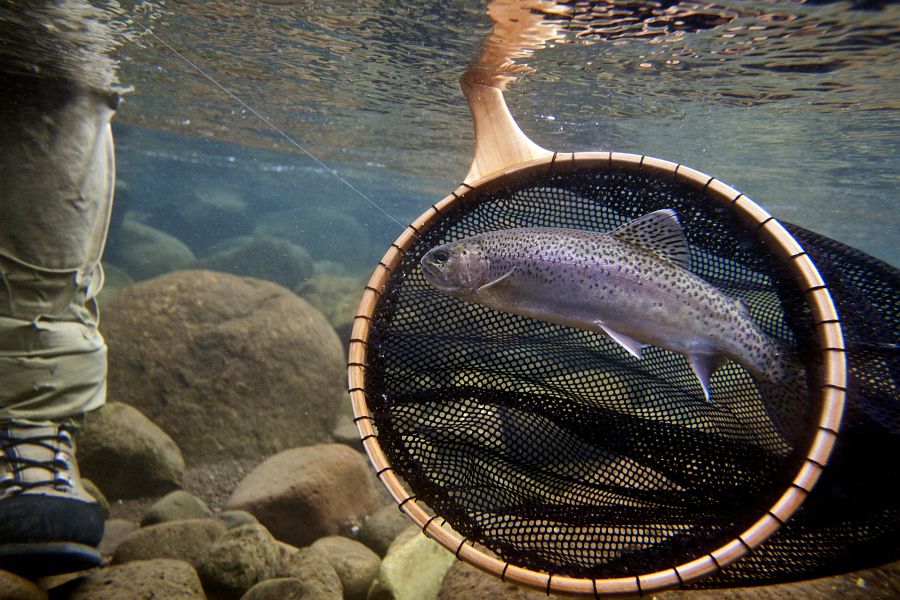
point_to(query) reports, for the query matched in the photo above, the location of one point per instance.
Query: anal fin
(703, 366)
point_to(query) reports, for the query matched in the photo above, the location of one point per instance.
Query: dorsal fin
(659, 232)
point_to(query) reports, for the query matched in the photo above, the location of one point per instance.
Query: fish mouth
(434, 275)
(430, 270)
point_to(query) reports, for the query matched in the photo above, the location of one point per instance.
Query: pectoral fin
(703, 366)
(632, 345)
(500, 279)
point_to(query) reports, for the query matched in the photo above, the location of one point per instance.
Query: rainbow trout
(631, 284)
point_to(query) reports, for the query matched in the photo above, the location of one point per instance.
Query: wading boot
(49, 523)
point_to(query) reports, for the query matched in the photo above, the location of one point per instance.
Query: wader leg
(56, 184)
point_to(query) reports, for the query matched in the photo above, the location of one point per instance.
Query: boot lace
(20, 442)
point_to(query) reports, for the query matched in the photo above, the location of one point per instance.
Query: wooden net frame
(831, 387)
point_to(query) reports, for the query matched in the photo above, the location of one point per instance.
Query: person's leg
(56, 183)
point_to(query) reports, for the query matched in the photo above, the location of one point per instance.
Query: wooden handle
(519, 28)
(499, 143)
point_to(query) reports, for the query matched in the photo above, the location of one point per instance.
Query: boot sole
(33, 561)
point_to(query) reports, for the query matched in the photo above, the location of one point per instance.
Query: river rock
(337, 297)
(186, 540)
(355, 564)
(382, 527)
(176, 506)
(241, 558)
(126, 454)
(263, 257)
(465, 582)
(206, 214)
(236, 518)
(13, 587)
(114, 279)
(345, 432)
(230, 367)
(311, 566)
(144, 252)
(331, 267)
(880, 583)
(141, 580)
(412, 569)
(114, 532)
(286, 588)
(326, 232)
(91, 488)
(306, 493)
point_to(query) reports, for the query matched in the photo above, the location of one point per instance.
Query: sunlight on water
(793, 103)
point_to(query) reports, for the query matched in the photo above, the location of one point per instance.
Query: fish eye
(440, 256)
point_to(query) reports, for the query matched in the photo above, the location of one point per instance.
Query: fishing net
(557, 452)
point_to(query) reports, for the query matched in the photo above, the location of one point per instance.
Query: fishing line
(274, 127)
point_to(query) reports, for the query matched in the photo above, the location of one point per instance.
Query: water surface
(793, 103)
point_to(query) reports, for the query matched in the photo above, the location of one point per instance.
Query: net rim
(832, 385)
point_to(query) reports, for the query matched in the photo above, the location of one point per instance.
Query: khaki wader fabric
(56, 185)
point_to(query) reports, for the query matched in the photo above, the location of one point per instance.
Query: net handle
(831, 389)
(516, 31)
(499, 142)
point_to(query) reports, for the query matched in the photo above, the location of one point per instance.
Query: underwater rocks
(286, 588)
(303, 494)
(215, 230)
(313, 567)
(382, 528)
(247, 561)
(882, 583)
(263, 257)
(240, 559)
(337, 297)
(115, 531)
(13, 587)
(114, 279)
(205, 215)
(234, 555)
(176, 506)
(345, 432)
(229, 556)
(327, 233)
(230, 367)
(235, 560)
(465, 582)
(187, 540)
(185, 550)
(412, 569)
(355, 564)
(126, 455)
(160, 578)
(144, 252)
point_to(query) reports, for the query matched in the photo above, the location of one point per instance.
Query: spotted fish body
(631, 284)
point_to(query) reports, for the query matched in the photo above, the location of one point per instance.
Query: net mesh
(559, 452)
